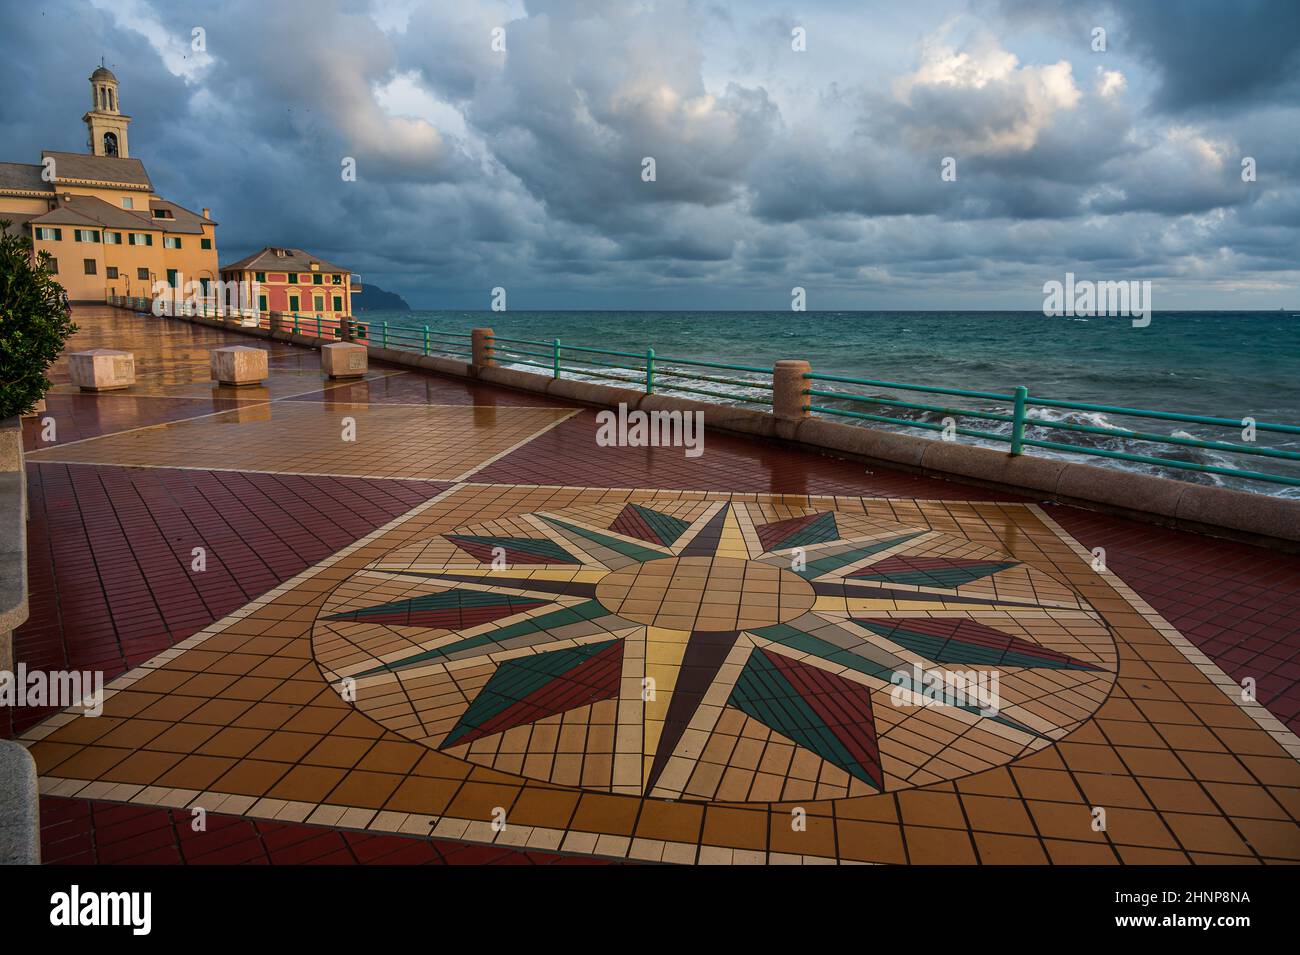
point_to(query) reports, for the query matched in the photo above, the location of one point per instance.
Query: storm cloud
(504, 144)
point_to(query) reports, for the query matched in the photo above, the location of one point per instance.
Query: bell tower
(105, 120)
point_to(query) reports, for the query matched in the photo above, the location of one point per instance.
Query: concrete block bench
(344, 359)
(239, 365)
(102, 369)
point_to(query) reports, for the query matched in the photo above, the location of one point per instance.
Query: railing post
(426, 340)
(1018, 424)
(649, 371)
(384, 341)
(788, 383)
(295, 323)
(481, 349)
(556, 366)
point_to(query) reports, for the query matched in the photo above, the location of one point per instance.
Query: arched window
(110, 98)
(110, 144)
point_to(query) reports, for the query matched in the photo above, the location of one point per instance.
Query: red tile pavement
(111, 586)
(567, 455)
(1239, 604)
(109, 553)
(88, 416)
(86, 832)
(420, 389)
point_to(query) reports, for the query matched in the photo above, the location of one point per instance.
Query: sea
(1232, 365)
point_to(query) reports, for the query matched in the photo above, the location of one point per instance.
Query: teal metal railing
(654, 373)
(1028, 431)
(651, 372)
(423, 340)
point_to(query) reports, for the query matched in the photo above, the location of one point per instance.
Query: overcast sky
(774, 167)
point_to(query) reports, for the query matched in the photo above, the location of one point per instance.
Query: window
(112, 238)
(171, 242)
(90, 266)
(259, 276)
(261, 304)
(110, 144)
(205, 243)
(54, 265)
(142, 274)
(110, 271)
(128, 202)
(48, 234)
(293, 278)
(163, 214)
(141, 238)
(336, 279)
(319, 303)
(293, 303)
(86, 235)
(317, 279)
(338, 303)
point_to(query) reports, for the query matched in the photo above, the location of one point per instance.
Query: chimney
(206, 210)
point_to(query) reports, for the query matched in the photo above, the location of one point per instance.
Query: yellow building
(98, 216)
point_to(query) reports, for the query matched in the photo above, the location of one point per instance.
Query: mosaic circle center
(706, 593)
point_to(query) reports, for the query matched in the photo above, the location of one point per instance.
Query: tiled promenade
(653, 675)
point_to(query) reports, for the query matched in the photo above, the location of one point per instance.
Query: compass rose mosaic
(713, 650)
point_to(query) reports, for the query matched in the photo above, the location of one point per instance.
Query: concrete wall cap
(1203, 505)
(883, 446)
(593, 393)
(513, 378)
(1037, 475)
(1123, 489)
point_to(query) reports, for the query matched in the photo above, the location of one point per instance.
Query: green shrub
(35, 321)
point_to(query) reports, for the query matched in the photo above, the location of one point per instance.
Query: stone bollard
(481, 347)
(789, 403)
(343, 359)
(102, 369)
(239, 365)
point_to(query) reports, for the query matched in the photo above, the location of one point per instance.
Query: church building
(98, 216)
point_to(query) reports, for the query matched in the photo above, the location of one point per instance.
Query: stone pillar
(482, 347)
(343, 359)
(789, 403)
(239, 365)
(101, 369)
